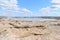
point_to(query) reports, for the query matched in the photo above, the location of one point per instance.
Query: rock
(11, 29)
(39, 31)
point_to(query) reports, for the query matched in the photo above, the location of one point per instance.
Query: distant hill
(50, 17)
(46, 17)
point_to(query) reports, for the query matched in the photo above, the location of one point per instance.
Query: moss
(26, 27)
(10, 23)
(16, 27)
(38, 34)
(40, 26)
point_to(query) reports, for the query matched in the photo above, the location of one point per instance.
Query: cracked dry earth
(29, 30)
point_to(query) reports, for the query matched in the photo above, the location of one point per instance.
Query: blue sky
(34, 5)
(29, 7)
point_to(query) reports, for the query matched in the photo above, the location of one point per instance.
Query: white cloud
(44, 11)
(53, 10)
(47, 9)
(26, 10)
(11, 6)
(55, 1)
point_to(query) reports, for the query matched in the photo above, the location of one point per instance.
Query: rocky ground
(29, 30)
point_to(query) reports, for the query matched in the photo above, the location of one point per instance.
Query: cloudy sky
(29, 7)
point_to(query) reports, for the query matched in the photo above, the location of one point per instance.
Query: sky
(29, 7)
